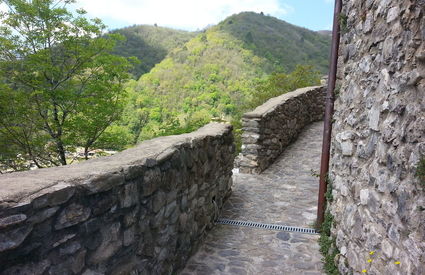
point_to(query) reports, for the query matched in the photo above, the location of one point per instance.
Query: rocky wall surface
(274, 125)
(141, 211)
(379, 138)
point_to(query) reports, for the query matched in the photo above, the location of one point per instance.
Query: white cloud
(3, 7)
(329, 1)
(183, 14)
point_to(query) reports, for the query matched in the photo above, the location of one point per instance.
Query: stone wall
(271, 127)
(379, 137)
(144, 210)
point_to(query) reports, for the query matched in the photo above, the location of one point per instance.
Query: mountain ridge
(294, 44)
(150, 44)
(216, 73)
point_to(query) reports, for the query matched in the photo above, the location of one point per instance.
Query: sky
(194, 15)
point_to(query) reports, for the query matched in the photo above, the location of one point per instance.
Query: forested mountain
(281, 43)
(218, 73)
(150, 44)
(325, 32)
(74, 95)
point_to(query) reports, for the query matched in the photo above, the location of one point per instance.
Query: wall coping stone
(270, 105)
(20, 188)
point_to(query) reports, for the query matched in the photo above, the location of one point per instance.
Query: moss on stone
(420, 171)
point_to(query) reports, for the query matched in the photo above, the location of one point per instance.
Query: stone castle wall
(143, 210)
(271, 127)
(379, 137)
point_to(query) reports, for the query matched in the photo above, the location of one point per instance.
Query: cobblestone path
(286, 193)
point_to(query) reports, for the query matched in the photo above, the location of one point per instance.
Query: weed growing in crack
(420, 171)
(327, 243)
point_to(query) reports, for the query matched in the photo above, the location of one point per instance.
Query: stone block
(91, 226)
(133, 172)
(183, 219)
(31, 268)
(104, 204)
(166, 155)
(129, 195)
(12, 220)
(92, 272)
(43, 215)
(184, 203)
(70, 248)
(63, 239)
(151, 182)
(193, 190)
(78, 261)
(129, 236)
(111, 243)
(57, 197)
(158, 201)
(170, 209)
(387, 249)
(157, 220)
(373, 115)
(13, 238)
(72, 215)
(364, 196)
(347, 148)
(393, 14)
(103, 182)
(171, 196)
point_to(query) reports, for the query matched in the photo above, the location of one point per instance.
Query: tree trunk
(86, 153)
(61, 152)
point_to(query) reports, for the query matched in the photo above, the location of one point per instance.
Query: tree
(280, 83)
(60, 87)
(249, 38)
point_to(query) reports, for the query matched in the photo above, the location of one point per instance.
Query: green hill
(150, 44)
(217, 73)
(281, 43)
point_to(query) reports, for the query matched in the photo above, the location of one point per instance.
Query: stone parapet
(271, 127)
(144, 210)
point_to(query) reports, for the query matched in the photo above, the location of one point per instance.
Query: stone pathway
(286, 193)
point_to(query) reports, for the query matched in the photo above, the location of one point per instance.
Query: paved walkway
(286, 193)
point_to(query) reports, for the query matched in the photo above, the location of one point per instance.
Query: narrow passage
(285, 194)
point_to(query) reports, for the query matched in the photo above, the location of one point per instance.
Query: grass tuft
(420, 171)
(327, 241)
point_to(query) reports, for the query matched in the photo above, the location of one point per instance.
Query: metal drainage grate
(267, 226)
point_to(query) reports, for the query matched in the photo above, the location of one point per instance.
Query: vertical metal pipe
(326, 146)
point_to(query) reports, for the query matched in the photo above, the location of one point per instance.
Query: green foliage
(282, 44)
(216, 75)
(343, 20)
(280, 83)
(327, 241)
(328, 247)
(61, 88)
(150, 44)
(115, 137)
(420, 171)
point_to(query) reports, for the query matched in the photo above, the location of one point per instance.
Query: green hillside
(217, 74)
(150, 44)
(281, 43)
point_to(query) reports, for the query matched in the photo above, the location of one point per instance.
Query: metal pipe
(326, 146)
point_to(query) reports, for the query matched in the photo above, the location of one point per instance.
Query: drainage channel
(267, 226)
